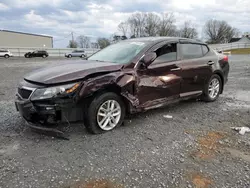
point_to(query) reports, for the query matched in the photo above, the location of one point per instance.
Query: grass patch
(239, 51)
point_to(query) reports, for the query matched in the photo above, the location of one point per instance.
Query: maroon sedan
(127, 77)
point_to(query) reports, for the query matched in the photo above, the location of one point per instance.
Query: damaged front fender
(123, 83)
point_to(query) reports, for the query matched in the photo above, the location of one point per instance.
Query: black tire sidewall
(91, 123)
(6, 56)
(207, 97)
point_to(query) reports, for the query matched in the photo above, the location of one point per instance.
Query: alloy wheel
(108, 115)
(214, 88)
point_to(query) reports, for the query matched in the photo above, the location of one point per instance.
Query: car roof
(161, 39)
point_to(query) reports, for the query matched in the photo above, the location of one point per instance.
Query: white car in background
(76, 53)
(5, 53)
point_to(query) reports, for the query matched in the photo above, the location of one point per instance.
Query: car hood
(70, 71)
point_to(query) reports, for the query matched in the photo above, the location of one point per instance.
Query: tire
(6, 56)
(44, 56)
(83, 56)
(207, 95)
(92, 118)
(69, 56)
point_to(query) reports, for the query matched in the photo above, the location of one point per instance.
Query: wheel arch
(120, 84)
(117, 90)
(222, 80)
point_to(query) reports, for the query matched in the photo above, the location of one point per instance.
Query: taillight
(225, 58)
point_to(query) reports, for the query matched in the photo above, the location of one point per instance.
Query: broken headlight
(50, 92)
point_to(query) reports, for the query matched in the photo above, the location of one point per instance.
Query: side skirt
(166, 101)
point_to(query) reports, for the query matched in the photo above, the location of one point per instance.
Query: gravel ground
(196, 148)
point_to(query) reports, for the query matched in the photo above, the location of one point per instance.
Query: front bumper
(49, 112)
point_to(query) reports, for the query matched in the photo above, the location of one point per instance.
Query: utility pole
(72, 33)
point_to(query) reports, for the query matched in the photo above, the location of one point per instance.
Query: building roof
(243, 39)
(234, 39)
(26, 33)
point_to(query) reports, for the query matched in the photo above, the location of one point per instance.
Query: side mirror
(148, 58)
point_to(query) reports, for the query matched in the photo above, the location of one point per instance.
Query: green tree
(103, 42)
(72, 44)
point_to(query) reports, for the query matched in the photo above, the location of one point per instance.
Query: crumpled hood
(70, 71)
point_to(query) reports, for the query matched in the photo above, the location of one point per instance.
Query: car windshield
(121, 53)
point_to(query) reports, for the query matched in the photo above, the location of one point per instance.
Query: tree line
(153, 24)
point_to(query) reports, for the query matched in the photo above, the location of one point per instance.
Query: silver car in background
(5, 53)
(76, 53)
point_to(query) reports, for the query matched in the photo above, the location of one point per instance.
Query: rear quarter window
(191, 51)
(205, 49)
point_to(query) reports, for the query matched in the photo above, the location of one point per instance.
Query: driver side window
(166, 53)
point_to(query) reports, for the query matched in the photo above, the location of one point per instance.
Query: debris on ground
(168, 116)
(242, 130)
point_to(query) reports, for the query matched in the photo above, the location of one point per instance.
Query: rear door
(195, 67)
(38, 54)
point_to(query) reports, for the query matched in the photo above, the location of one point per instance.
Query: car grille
(24, 93)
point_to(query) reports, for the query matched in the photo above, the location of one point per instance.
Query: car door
(194, 66)
(160, 81)
(37, 54)
(75, 54)
(40, 53)
(79, 53)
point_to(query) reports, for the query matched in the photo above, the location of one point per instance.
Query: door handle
(176, 69)
(210, 63)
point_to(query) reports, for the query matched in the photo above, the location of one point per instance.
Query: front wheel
(213, 88)
(44, 56)
(105, 112)
(6, 56)
(83, 56)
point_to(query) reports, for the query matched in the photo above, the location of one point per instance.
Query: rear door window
(191, 51)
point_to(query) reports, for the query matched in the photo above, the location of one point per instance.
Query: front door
(38, 54)
(160, 81)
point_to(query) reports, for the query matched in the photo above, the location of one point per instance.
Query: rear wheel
(105, 112)
(83, 56)
(6, 56)
(69, 56)
(213, 88)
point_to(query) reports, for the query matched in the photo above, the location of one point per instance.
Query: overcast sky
(100, 17)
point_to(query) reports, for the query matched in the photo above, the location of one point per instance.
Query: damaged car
(130, 76)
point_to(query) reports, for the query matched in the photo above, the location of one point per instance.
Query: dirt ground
(196, 148)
